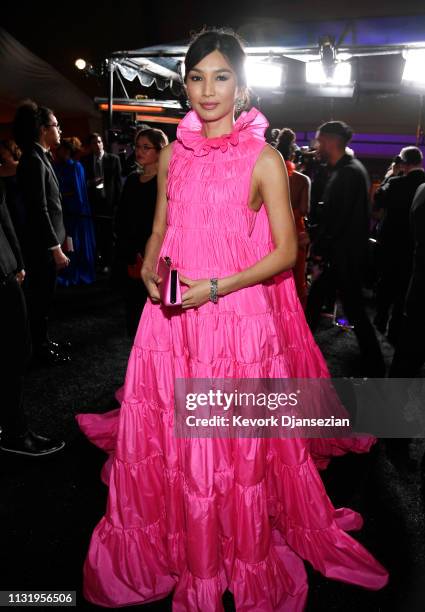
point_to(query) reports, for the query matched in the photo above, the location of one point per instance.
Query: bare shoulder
(269, 162)
(270, 156)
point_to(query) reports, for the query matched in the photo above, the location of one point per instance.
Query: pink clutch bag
(169, 288)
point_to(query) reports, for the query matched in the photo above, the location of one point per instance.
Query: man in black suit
(395, 197)
(15, 347)
(341, 242)
(36, 132)
(104, 183)
(409, 355)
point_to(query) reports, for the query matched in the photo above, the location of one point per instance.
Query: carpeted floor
(49, 505)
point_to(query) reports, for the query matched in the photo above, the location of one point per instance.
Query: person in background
(134, 221)
(409, 355)
(15, 347)
(395, 198)
(342, 241)
(104, 184)
(77, 215)
(9, 160)
(37, 131)
(299, 187)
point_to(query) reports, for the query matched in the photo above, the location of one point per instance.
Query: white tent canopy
(24, 75)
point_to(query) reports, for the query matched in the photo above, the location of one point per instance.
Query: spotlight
(342, 74)
(413, 72)
(339, 75)
(80, 64)
(315, 73)
(262, 74)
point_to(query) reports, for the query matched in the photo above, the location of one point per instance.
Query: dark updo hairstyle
(286, 143)
(28, 121)
(156, 137)
(230, 45)
(12, 147)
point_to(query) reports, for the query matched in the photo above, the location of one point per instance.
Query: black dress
(133, 226)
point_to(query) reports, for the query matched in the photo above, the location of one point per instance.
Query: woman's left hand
(197, 294)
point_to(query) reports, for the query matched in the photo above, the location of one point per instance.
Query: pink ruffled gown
(199, 516)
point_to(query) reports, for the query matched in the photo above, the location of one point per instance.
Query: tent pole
(111, 68)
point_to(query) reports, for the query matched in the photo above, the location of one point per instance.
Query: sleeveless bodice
(209, 222)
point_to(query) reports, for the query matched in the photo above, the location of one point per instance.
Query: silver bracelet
(214, 290)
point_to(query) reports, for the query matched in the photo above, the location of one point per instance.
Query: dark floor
(49, 505)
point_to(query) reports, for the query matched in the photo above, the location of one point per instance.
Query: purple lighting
(370, 145)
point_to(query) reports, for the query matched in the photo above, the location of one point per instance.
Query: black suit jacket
(343, 231)
(415, 300)
(10, 252)
(396, 197)
(112, 182)
(42, 201)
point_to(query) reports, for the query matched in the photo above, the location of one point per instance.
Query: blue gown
(78, 223)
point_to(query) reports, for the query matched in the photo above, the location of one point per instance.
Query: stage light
(340, 75)
(80, 64)
(315, 73)
(262, 74)
(414, 67)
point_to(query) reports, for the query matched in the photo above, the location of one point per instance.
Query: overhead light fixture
(80, 64)
(262, 74)
(332, 69)
(87, 69)
(413, 72)
(330, 91)
(342, 74)
(315, 74)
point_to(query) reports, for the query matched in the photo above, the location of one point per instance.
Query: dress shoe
(31, 444)
(48, 356)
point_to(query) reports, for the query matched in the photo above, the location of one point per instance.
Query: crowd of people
(73, 202)
(65, 213)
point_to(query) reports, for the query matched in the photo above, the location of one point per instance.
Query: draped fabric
(198, 516)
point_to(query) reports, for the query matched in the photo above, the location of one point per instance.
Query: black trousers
(103, 227)
(39, 287)
(15, 353)
(104, 234)
(345, 277)
(409, 354)
(135, 295)
(393, 282)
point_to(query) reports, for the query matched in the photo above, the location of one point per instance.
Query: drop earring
(188, 104)
(239, 105)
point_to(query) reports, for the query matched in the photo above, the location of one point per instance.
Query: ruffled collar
(248, 125)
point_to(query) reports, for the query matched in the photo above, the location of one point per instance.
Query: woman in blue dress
(77, 216)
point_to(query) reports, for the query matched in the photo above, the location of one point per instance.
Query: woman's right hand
(152, 280)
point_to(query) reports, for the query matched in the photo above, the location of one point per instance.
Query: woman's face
(212, 87)
(145, 151)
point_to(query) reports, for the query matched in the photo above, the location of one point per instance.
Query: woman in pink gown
(202, 515)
